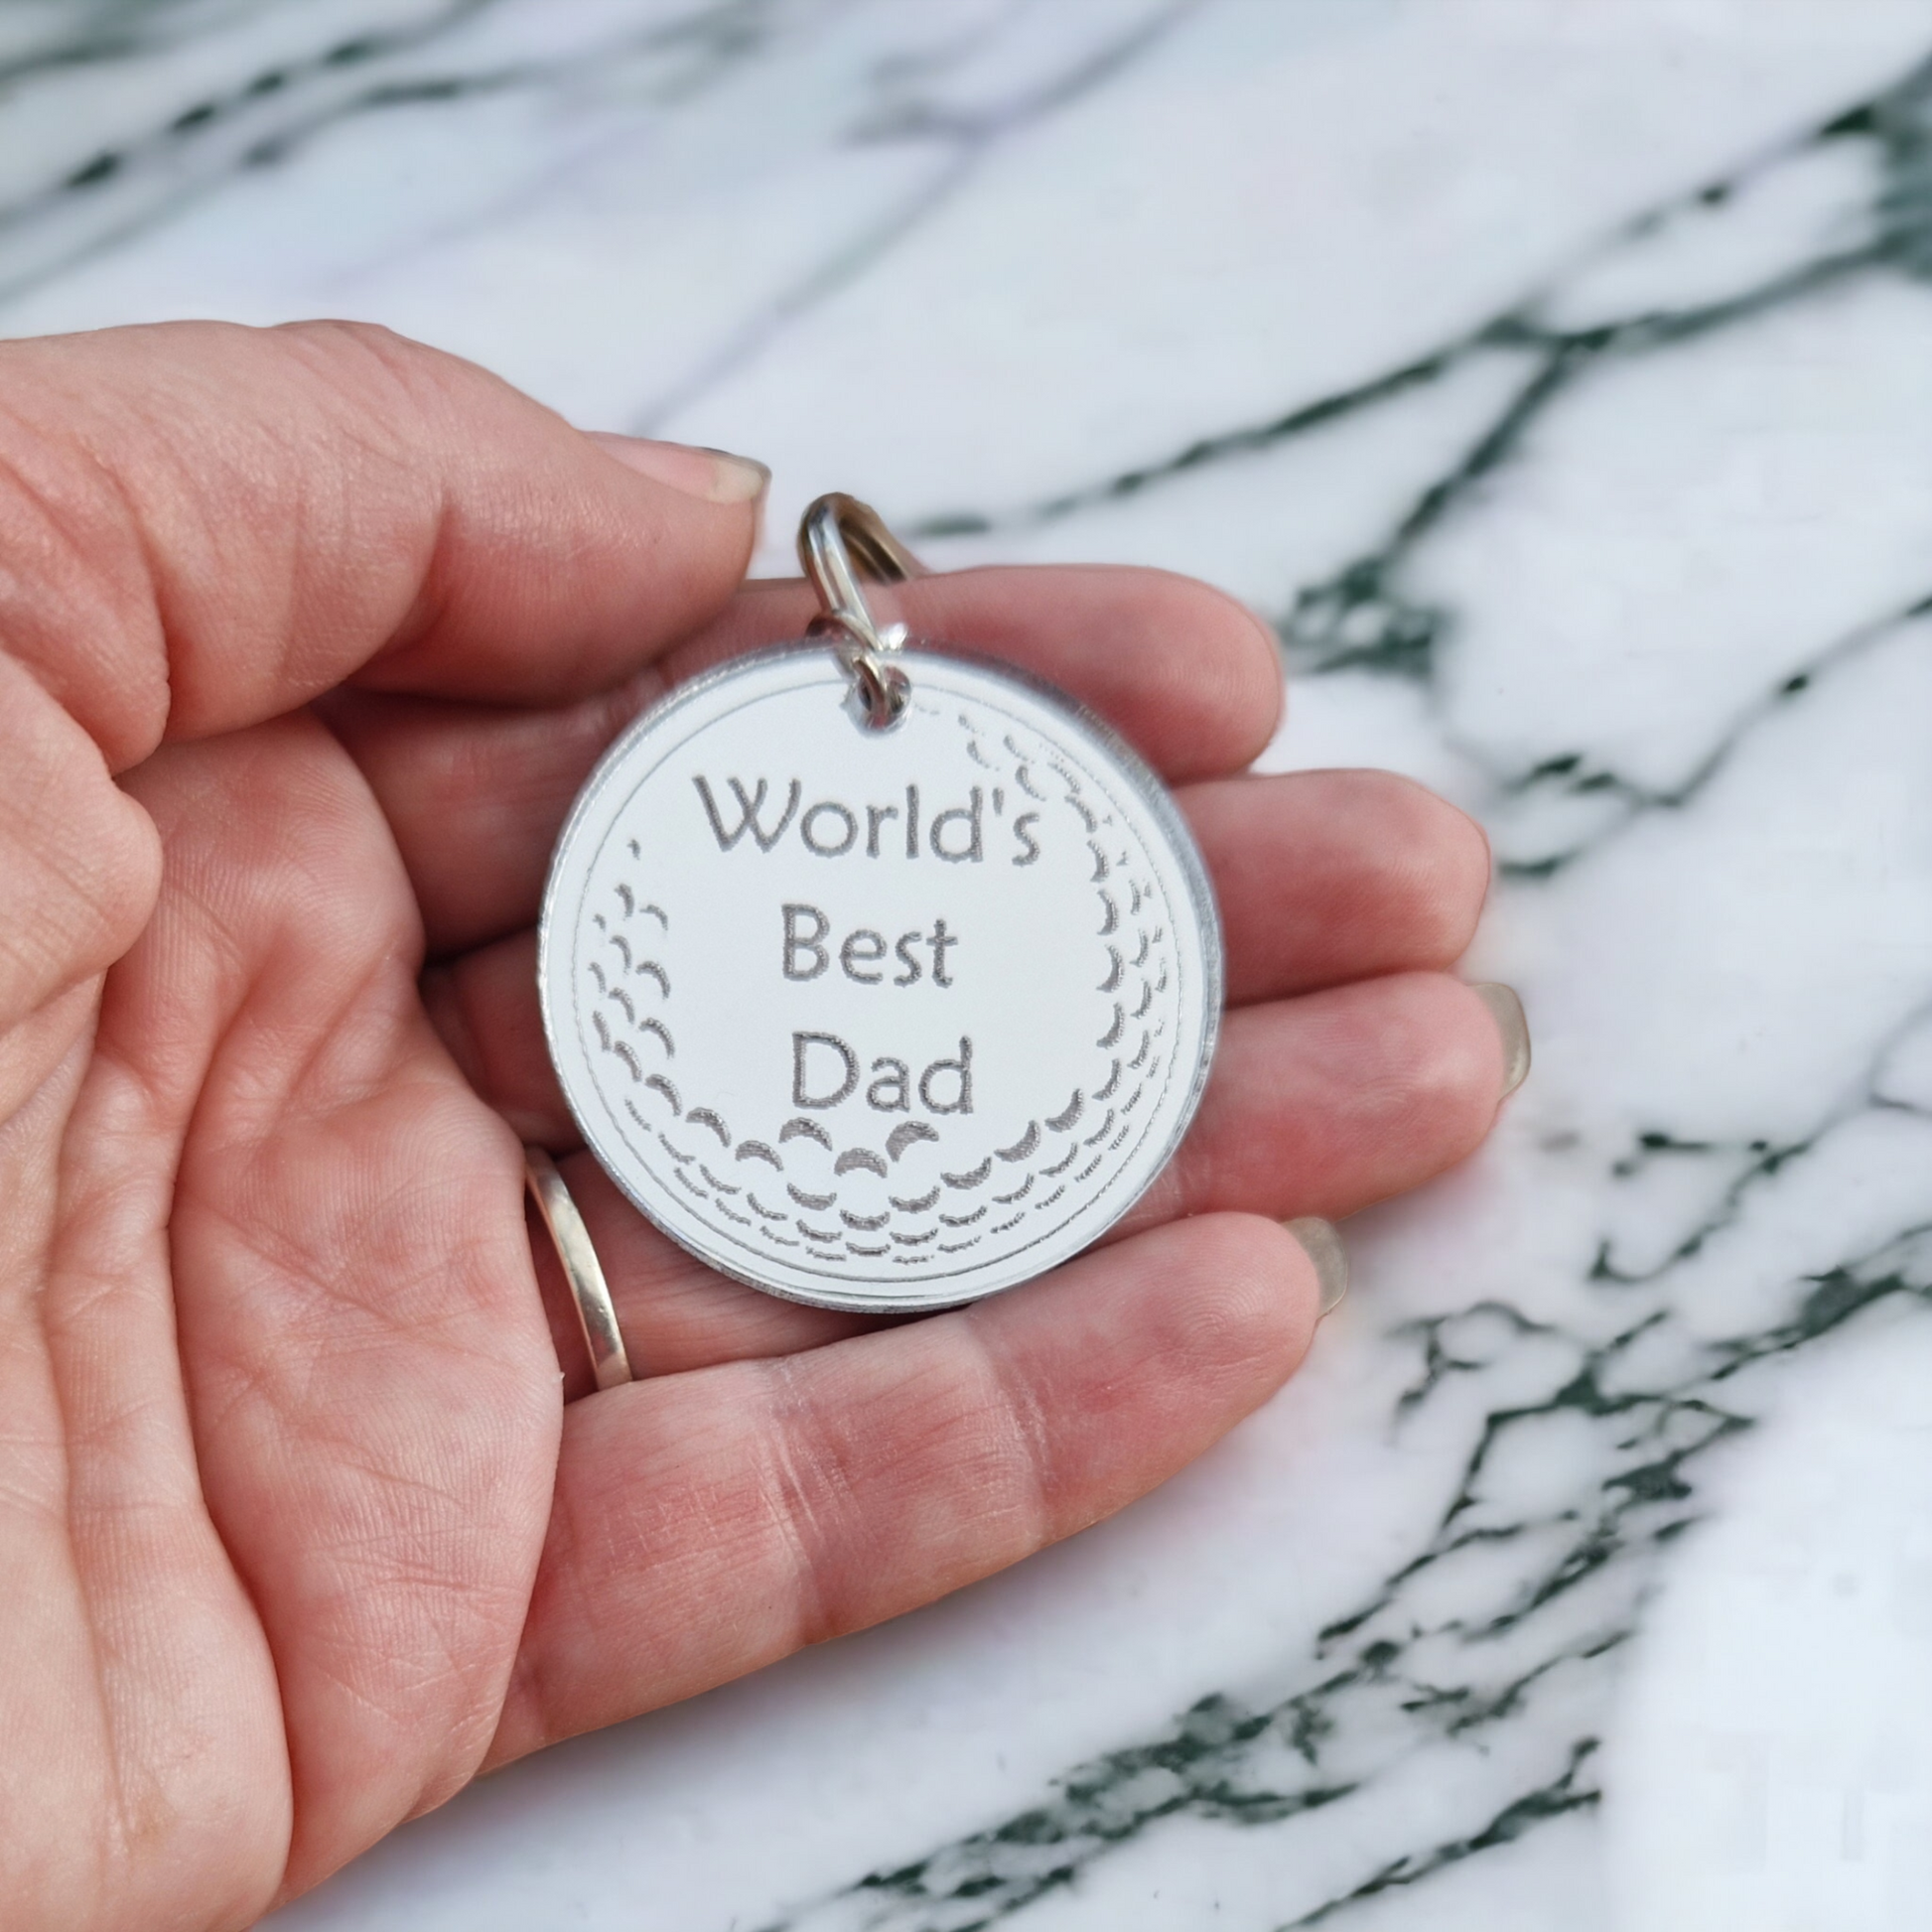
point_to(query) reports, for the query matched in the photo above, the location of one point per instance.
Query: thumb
(203, 526)
(215, 524)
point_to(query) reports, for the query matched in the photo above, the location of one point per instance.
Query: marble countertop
(1558, 378)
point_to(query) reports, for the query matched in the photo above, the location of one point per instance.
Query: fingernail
(1506, 1009)
(717, 476)
(1322, 1242)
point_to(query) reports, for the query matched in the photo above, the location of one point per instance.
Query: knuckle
(80, 861)
(1237, 1314)
(368, 343)
(374, 370)
(1435, 860)
(1438, 1034)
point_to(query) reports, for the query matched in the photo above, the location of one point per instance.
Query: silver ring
(596, 1314)
(837, 538)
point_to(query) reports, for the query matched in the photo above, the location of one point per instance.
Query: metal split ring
(839, 540)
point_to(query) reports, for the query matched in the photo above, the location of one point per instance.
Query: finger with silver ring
(590, 1293)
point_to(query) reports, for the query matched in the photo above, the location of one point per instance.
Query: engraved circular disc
(878, 1019)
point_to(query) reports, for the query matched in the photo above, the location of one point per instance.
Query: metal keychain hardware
(836, 535)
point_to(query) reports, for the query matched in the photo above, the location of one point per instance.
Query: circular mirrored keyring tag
(879, 1018)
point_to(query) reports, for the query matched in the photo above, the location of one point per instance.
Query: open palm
(306, 638)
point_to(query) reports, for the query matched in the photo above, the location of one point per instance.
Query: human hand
(307, 639)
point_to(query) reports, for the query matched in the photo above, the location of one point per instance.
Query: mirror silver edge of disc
(1134, 772)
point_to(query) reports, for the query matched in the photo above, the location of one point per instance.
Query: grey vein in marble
(1547, 1596)
(912, 109)
(326, 75)
(1362, 620)
(1384, 1678)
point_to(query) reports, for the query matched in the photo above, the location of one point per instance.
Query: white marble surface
(1560, 377)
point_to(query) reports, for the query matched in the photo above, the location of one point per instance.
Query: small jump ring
(590, 1293)
(840, 538)
(882, 687)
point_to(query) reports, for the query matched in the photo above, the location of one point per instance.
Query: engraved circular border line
(1107, 760)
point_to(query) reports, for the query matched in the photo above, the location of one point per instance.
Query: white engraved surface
(878, 1019)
